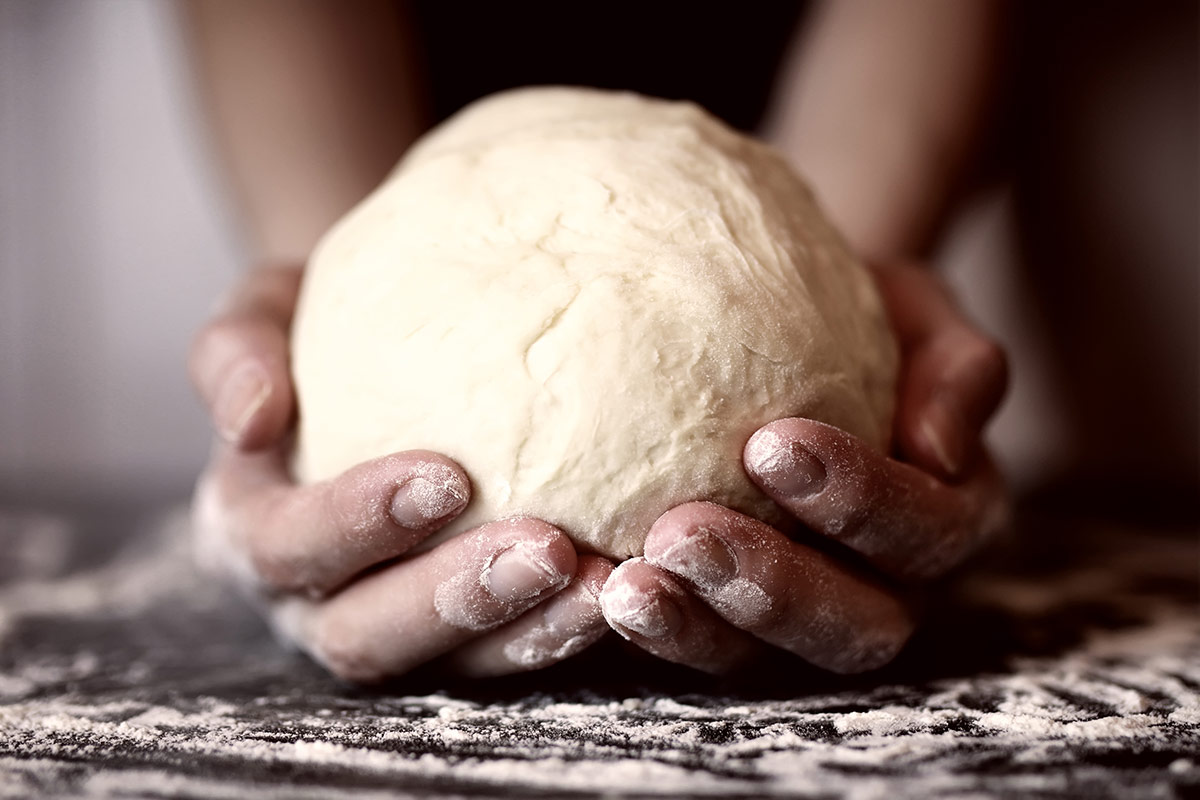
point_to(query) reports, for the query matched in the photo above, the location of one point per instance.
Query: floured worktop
(124, 674)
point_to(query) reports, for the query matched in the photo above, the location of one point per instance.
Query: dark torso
(723, 57)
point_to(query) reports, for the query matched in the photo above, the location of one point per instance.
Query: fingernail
(939, 427)
(420, 502)
(645, 613)
(244, 393)
(702, 557)
(519, 573)
(785, 466)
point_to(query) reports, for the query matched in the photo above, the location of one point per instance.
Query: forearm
(878, 107)
(311, 104)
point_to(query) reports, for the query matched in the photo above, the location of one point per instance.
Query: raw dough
(590, 300)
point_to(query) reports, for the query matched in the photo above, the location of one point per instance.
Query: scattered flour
(75, 722)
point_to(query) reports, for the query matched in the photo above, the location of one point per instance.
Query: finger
(239, 360)
(781, 592)
(417, 609)
(562, 626)
(312, 539)
(905, 521)
(653, 610)
(954, 375)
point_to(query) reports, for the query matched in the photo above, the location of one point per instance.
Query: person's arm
(879, 112)
(312, 104)
(879, 106)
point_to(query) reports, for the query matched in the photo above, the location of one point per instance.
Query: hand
(715, 587)
(322, 560)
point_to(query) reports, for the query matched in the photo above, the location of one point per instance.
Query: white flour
(82, 721)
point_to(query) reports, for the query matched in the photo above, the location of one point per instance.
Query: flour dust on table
(123, 673)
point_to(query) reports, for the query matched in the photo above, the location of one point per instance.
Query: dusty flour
(134, 678)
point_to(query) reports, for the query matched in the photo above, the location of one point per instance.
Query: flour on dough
(590, 300)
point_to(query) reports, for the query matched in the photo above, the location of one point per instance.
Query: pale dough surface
(590, 300)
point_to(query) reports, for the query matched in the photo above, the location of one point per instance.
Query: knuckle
(856, 484)
(862, 648)
(215, 337)
(340, 650)
(952, 542)
(271, 568)
(204, 346)
(219, 345)
(851, 510)
(282, 567)
(225, 338)
(990, 363)
(223, 544)
(204, 338)
(348, 506)
(935, 561)
(869, 650)
(211, 530)
(758, 617)
(926, 566)
(854, 522)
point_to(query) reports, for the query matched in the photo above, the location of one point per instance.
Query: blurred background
(116, 239)
(114, 243)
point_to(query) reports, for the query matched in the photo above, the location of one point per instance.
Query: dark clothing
(722, 56)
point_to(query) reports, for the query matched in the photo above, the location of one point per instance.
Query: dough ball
(590, 300)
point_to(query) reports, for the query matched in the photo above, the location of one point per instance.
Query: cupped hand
(330, 563)
(716, 587)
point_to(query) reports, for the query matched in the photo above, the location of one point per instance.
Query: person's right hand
(323, 559)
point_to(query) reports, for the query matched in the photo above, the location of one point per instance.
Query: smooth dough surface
(590, 300)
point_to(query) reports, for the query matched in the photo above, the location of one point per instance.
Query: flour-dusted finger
(953, 377)
(417, 609)
(905, 521)
(239, 360)
(651, 609)
(312, 539)
(562, 626)
(781, 592)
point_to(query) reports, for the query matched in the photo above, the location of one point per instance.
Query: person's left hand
(715, 587)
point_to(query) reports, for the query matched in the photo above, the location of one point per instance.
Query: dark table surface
(1066, 665)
